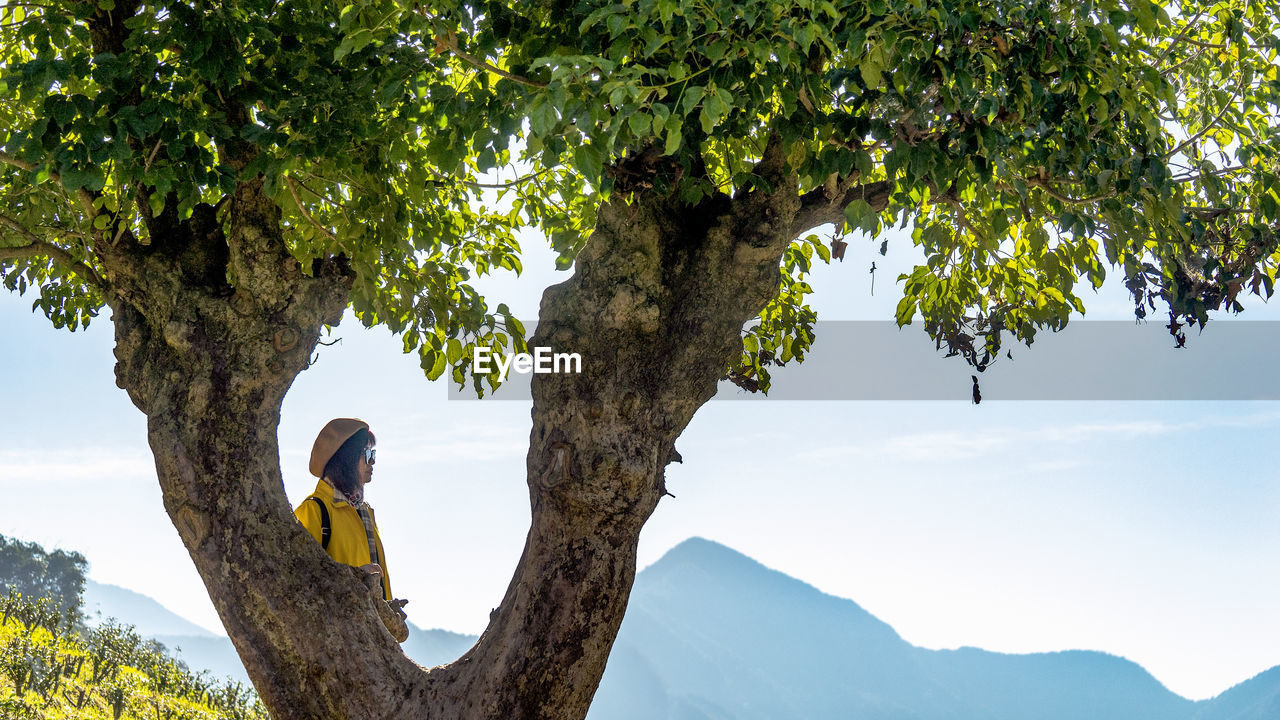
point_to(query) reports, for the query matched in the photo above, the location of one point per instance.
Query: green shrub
(50, 669)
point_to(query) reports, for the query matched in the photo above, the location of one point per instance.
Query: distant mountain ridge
(1258, 697)
(102, 601)
(217, 655)
(711, 634)
(203, 650)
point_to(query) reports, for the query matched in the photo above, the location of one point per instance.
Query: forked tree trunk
(655, 308)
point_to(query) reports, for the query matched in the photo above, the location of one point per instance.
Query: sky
(1146, 529)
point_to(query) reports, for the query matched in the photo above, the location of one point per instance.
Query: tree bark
(655, 307)
(210, 365)
(211, 329)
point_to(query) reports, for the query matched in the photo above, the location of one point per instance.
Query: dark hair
(341, 468)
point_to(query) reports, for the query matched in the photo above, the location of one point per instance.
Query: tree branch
(1221, 46)
(1186, 28)
(86, 199)
(1189, 58)
(8, 159)
(1216, 173)
(826, 204)
(1225, 106)
(962, 217)
(38, 246)
(506, 185)
(451, 43)
(293, 192)
(321, 196)
(1048, 188)
(18, 253)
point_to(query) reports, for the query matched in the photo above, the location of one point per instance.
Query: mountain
(149, 617)
(203, 650)
(1072, 685)
(1258, 697)
(710, 634)
(217, 655)
(717, 635)
(199, 648)
(430, 648)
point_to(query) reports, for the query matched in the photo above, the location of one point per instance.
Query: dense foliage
(49, 672)
(57, 576)
(1028, 146)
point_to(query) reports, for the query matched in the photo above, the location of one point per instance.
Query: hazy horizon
(166, 625)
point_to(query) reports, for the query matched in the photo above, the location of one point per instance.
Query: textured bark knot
(286, 339)
(191, 525)
(176, 335)
(560, 460)
(628, 404)
(197, 401)
(242, 304)
(186, 471)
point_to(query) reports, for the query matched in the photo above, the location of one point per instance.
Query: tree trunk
(655, 307)
(210, 367)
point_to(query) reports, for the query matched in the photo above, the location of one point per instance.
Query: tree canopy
(1028, 146)
(58, 576)
(230, 177)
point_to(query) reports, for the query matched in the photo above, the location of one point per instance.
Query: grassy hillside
(51, 671)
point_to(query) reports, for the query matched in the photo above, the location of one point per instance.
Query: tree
(228, 178)
(35, 574)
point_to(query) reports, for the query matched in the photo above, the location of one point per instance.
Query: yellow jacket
(348, 542)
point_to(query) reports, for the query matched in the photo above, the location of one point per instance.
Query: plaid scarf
(366, 517)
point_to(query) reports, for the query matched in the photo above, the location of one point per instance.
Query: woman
(336, 514)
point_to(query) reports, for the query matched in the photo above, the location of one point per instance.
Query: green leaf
(905, 311)
(355, 42)
(640, 124)
(871, 67)
(674, 137)
(590, 161)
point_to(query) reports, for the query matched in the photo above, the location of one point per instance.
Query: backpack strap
(325, 530)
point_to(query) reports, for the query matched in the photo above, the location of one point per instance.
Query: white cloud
(944, 445)
(1058, 465)
(1146, 428)
(464, 441)
(923, 447)
(44, 466)
(973, 444)
(1083, 431)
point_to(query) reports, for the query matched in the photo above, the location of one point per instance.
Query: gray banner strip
(1089, 360)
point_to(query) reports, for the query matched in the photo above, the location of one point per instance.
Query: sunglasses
(370, 455)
